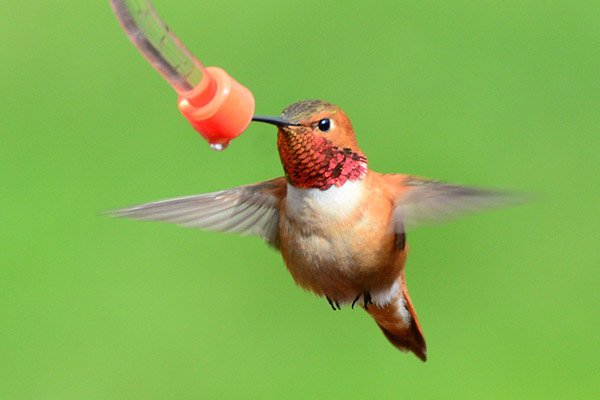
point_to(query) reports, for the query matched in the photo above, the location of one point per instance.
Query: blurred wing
(247, 210)
(421, 201)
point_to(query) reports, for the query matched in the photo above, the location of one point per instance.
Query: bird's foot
(366, 300)
(355, 300)
(333, 303)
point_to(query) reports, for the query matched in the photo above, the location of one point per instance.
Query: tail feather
(399, 323)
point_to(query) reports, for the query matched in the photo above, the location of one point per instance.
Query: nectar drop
(218, 146)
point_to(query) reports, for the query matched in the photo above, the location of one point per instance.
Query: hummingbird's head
(317, 145)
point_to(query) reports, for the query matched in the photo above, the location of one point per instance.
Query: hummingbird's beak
(272, 120)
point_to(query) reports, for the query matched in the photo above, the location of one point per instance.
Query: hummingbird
(340, 226)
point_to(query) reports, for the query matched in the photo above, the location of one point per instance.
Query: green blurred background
(496, 93)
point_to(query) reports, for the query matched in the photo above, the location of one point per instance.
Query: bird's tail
(399, 323)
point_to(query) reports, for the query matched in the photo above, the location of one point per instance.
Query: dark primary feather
(427, 202)
(247, 210)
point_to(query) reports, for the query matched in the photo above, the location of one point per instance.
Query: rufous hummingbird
(340, 227)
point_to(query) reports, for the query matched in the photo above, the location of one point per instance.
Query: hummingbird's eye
(324, 125)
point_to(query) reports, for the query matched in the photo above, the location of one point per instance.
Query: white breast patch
(335, 202)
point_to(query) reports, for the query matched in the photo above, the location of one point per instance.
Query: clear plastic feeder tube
(163, 50)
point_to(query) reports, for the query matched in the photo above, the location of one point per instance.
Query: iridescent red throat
(314, 162)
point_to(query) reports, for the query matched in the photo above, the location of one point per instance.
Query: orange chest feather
(341, 236)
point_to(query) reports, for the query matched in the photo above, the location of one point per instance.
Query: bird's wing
(247, 210)
(419, 201)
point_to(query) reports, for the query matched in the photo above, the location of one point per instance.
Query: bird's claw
(366, 300)
(333, 303)
(355, 300)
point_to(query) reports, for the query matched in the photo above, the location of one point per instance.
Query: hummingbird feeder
(215, 104)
